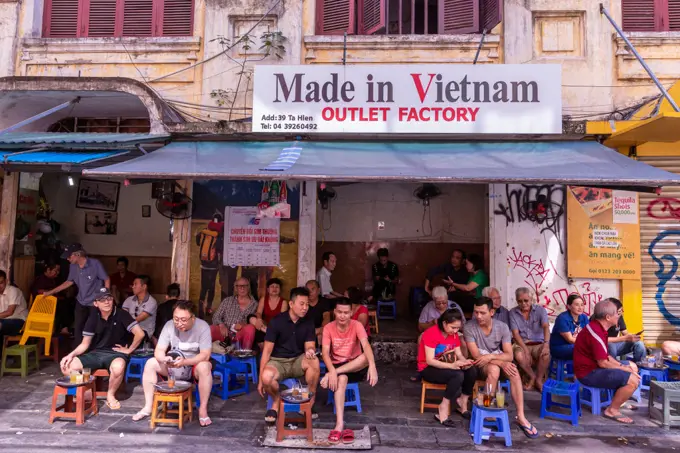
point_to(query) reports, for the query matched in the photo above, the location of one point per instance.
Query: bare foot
(539, 386)
(530, 385)
(324, 382)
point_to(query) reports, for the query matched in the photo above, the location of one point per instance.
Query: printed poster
(603, 233)
(248, 240)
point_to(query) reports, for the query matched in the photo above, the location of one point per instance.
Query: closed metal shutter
(660, 222)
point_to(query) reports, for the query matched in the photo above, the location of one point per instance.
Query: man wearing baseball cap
(106, 343)
(89, 276)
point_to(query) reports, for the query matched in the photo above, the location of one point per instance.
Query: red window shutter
(177, 18)
(640, 15)
(102, 18)
(138, 18)
(491, 12)
(335, 17)
(458, 16)
(372, 16)
(61, 19)
(674, 15)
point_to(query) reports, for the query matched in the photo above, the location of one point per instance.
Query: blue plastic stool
(250, 361)
(135, 368)
(646, 376)
(391, 305)
(592, 396)
(288, 383)
(229, 385)
(560, 388)
(561, 369)
(483, 429)
(322, 367)
(352, 397)
(220, 358)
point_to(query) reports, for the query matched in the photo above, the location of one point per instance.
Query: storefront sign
(414, 99)
(603, 233)
(248, 240)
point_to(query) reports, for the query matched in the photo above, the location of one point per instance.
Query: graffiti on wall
(664, 208)
(667, 268)
(556, 302)
(513, 208)
(533, 270)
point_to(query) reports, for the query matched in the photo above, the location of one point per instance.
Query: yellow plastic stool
(40, 321)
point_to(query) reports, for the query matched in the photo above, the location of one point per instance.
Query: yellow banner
(603, 233)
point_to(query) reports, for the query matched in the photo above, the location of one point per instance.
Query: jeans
(457, 381)
(563, 352)
(626, 347)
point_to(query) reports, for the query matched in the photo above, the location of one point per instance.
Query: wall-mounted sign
(603, 235)
(428, 99)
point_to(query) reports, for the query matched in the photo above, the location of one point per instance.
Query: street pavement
(391, 409)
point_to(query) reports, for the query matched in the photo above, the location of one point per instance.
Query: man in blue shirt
(89, 276)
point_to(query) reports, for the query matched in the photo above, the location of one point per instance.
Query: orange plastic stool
(66, 410)
(305, 410)
(160, 414)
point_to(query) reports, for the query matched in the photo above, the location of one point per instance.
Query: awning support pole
(479, 47)
(30, 120)
(663, 90)
(344, 50)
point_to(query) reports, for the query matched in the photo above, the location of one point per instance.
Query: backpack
(209, 245)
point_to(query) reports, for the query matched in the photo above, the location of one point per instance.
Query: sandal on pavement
(415, 378)
(527, 430)
(141, 415)
(113, 406)
(448, 422)
(334, 437)
(270, 416)
(204, 421)
(347, 436)
(620, 419)
(466, 415)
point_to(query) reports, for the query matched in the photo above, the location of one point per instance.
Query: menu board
(248, 240)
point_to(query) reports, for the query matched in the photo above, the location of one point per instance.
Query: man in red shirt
(594, 367)
(123, 279)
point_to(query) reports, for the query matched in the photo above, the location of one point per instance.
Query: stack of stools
(160, 414)
(565, 389)
(561, 369)
(67, 410)
(593, 397)
(352, 397)
(481, 427)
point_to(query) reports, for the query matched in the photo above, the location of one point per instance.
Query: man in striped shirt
(594, 367)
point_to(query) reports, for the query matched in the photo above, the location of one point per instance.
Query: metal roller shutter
(660, 228)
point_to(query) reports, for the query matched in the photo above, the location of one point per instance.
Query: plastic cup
(86, 374)
(171, 382)
(74, 377)
(500, 399)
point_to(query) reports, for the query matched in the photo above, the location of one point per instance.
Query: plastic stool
(481, 428)
(160, 414)
(21, 351)
(592, 396)
(219, 358)
(352, 397)
(562, 369)
(288, 383)
(250, 361)
(229, 385)
(560, 388)
(73, 396)
(136, 363)
(391, 304)
(304, 409)
(646, 376)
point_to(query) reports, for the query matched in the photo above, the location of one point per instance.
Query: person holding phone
(622, 343)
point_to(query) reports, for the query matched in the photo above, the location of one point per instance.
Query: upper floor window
(116, 18)
(406, 17)
(651, 15)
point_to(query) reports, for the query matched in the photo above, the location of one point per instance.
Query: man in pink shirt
(342, 344)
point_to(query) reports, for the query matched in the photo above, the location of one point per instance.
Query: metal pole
(479, 47)
(344, 49)
(665, 94)
(40, 115)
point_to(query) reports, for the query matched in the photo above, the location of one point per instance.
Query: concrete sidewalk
(391, 409)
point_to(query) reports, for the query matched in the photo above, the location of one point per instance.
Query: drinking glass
(500, 399)
(86, 374)
(74, 377)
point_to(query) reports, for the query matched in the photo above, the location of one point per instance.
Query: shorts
(605, 378)
(101, 359)
(354, 376)
(288, 368)
(534, 351)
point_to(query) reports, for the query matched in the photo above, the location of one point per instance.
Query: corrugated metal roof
(76, 138)
(565, 162)
(57, 157)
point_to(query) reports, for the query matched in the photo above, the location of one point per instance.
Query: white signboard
(249, 241)
(625, 207)
(414, 99)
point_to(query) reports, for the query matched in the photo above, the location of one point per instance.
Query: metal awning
(664, 127)
(24, 140)
(57, 157)
(565, 162)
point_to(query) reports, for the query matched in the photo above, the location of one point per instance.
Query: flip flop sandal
(347, 436)
(619, 419)
(270, 416)
(315, 415)
(448, 422)
(205, 421)
(466, 415)
(142, 415)
(114, 407)
(334, 437)
(415, 378)
(527, 430)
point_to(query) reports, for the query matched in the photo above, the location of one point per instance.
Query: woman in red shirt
(438, 342)
(271, 305)
(359, 310)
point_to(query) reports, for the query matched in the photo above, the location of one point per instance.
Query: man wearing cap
(105, 344)
(89, 276)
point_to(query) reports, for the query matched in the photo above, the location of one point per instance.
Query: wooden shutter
(372, 18)
(674, 15)
(177, 17)
(641, 15)
(61, 19)
(491, 12)
(458, 16)
(102, 18)
(335, 17)
(138, 18)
